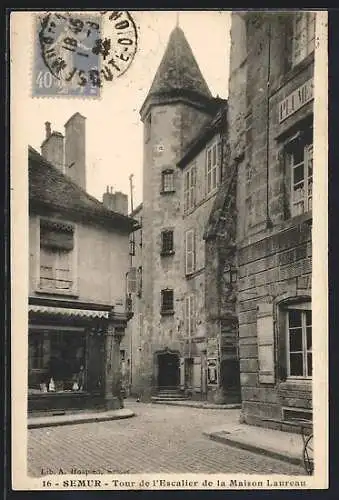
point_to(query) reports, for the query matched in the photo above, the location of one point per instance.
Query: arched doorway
(168, 370)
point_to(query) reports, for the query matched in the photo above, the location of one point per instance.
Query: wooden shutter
(187, 315)
(193, 186)
(186, 191)
(192, 315)
(182, 373)
(265, 338)
(189, 251)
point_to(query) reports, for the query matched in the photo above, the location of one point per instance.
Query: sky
(114, 131)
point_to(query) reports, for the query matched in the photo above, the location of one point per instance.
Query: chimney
(117, 202)
(48, 129)
(108, 199)
(121, 203)
(75, 149)
(52, 148)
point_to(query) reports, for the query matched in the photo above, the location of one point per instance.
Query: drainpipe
(131, 265)
(268, 221)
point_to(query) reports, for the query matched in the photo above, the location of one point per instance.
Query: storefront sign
(212, 371)
(296, 100)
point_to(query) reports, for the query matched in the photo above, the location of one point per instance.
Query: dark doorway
(230, 379)
(168, 371)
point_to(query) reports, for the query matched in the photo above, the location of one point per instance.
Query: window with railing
(167, 301)
(167, 181)
(167, 242)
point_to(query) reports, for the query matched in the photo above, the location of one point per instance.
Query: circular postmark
(87, 49)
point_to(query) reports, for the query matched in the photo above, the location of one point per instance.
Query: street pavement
(158, 439)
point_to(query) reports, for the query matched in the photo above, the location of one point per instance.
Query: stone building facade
(175, 341)
(270, 113)
(78, 260)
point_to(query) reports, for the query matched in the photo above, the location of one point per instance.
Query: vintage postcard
(169, 250)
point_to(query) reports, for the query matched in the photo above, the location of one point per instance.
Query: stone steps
(169, 395)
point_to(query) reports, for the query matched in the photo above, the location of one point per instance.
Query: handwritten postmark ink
(78, 53)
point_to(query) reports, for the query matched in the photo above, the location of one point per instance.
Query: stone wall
(274, 251)
(100, 275)
(163, 147)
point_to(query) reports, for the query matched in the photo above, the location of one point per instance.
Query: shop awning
(67, 312)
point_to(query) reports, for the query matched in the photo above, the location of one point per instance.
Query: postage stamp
(75, 53)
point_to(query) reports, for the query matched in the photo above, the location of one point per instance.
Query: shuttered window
(265, 337)
(189, 251)
(56, 255)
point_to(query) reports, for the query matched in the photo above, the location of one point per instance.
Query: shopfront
(73, 358)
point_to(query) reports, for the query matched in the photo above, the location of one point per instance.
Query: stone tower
(177, 106)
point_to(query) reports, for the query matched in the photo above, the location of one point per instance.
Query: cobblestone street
(158, 439)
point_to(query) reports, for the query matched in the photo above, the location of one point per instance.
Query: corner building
(184, 127)
(270, 138)
(78, 260)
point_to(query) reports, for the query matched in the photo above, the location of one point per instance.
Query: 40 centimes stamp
(77, 52)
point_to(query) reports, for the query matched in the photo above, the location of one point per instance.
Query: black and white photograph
(169, 249)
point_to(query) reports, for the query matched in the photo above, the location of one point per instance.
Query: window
(190, 323)
(132, 280)
(57, 361)
(167, 304)
(132, 246)
(56, 252)
(212, 170)
(167, 181)
(299, 342)
(301, 162)
(167, 247)
(190, 188)
(38, 347)
(303, 35)
(189, 251)
(139, 279)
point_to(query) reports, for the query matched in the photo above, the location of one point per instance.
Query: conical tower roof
(178, 72)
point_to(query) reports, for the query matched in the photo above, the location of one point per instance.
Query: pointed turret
(178, 76)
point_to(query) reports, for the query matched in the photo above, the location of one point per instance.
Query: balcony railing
(55, 284)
